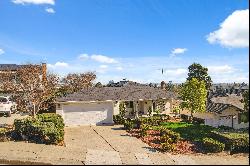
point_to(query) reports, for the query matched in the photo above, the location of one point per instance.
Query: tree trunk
(191, 117)
(34, 111)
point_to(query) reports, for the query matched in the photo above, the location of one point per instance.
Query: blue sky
(130, 39)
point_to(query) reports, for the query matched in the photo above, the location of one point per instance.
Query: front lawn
(189, 131)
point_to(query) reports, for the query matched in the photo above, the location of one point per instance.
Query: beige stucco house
(223, 111)
(97, 105)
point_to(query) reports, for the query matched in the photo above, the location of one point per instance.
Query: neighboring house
(223, 89)
(224, 111)
(97, 105)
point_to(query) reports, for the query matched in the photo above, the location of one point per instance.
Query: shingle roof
(126, 93)
(219, 104)
(12, 67)
(9, 67)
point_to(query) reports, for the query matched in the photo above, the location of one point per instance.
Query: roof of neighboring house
(126, 93)
(13, 67)
(9, 66)
(219, 104)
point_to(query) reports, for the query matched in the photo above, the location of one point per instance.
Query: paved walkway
(105, 145)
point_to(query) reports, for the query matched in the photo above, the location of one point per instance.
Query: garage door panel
(85, 114)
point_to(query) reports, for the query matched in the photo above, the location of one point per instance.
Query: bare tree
(76, 82)
(29, 88)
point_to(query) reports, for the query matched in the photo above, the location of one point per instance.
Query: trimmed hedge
(235, 142)
(212, 146)
(46, 128)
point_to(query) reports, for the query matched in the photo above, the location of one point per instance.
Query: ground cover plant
(186, 137)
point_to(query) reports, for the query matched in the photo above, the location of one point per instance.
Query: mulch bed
(153, 140)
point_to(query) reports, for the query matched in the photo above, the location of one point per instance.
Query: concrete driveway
(10, 120)
(111, 145)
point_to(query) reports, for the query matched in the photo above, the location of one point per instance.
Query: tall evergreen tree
(199, 72)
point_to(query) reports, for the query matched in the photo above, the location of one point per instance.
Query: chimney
(163, 85)
(44, 71)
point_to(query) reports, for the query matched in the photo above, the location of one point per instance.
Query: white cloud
(176, 51)
(102, 69)
(50, 10)
(119, 68)
(104, 66)
(83, 57)
(58, 65)
(1, 51)
(233, 32)
(103, 59)
(220, 69)
(35, 2)
(176, 72)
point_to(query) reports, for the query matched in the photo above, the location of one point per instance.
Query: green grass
(189, 131)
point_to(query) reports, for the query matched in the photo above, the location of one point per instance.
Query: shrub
(153, 120)
(128, 124)
(45, 128)
(3, 135)
(167, 143)
(118, 119)
(198, 120)
(225, 128)
(52, 117)
(144, 129)
(173, 135)
(235, 142)
(212, 146)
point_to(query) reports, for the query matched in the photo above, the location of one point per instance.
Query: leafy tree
(98, 84)
(246, 100)
(193, 95)
(199, 72)
(76, 82)
(31, 92)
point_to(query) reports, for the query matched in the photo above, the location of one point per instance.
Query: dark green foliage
(153, 120)
(167, 143)
(168, 139)
(128, 124)
(118, 119)
(235, 142)
(212, 146)
(246, 100)
(144, 129)
(225, 128)
(45, 128)
(189, 131)
(173, 135)
(3, 135)
(199, 72)
(50, 117)
(198, 121)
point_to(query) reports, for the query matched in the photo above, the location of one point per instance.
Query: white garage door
(88, 113)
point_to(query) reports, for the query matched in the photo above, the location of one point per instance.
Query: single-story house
(97, 105)
(224, 111)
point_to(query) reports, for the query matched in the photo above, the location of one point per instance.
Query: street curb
(21, 162)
